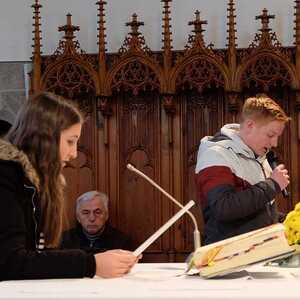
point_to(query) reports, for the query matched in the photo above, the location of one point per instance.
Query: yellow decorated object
(292, 225)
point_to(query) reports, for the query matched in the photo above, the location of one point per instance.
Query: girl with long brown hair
(43, 138)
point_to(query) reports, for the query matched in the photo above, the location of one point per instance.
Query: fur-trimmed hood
(11, 153)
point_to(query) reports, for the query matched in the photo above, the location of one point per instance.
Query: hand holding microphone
(279, 174)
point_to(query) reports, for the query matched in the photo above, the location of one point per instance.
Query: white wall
(16, 23)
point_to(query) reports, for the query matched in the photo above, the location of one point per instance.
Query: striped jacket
(233, 186)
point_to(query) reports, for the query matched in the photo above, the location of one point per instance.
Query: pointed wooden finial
(167, 33)
(36, 31)
(231, 25)
(101, 28)
(101, 43)
(197, 40)
(198, 30)
(297, 38)
(265, 20)
(297, 23)
(134, 24)
(69, 29)
(231, 35)
(36, 47)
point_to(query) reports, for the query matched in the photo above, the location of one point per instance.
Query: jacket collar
(9, 152)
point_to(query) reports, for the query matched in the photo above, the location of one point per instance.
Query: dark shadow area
(4, 127)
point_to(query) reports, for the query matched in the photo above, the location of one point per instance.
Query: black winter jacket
(109, 239)
(19, 227)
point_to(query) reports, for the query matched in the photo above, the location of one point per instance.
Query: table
(163, 282)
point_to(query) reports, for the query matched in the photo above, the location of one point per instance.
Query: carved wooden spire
(36, 47)
(101, 29)
(196, 40)
(135, 25)
(167, 41)
(134, 42)
(231, 35)
(198, 30)
(297, 22)
(69, 29)
(102, 99)
(101, 42)
(297, 35)
(266, 38)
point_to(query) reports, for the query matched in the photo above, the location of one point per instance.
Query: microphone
(197, 240)
(273, 162)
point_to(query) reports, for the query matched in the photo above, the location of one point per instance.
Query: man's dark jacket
(20, 223)
(110, 238)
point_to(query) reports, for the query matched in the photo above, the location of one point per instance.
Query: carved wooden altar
(151, 109)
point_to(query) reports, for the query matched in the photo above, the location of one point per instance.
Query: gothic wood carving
(152, 108)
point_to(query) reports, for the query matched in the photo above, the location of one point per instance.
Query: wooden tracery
(152, 108)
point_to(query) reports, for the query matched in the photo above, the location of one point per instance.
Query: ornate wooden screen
(152, 108)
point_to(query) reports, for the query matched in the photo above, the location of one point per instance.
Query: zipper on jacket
(33, 216)
(270, 203)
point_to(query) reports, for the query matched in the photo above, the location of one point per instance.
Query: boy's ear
(249, 124)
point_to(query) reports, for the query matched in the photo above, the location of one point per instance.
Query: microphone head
(271, 156)
(272, 159)
(130, 167)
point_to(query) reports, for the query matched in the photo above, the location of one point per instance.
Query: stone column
(12, 89)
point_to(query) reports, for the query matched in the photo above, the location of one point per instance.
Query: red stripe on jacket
(212, 177)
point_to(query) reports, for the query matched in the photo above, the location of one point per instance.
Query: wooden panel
(139, 211)
(202, 115)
